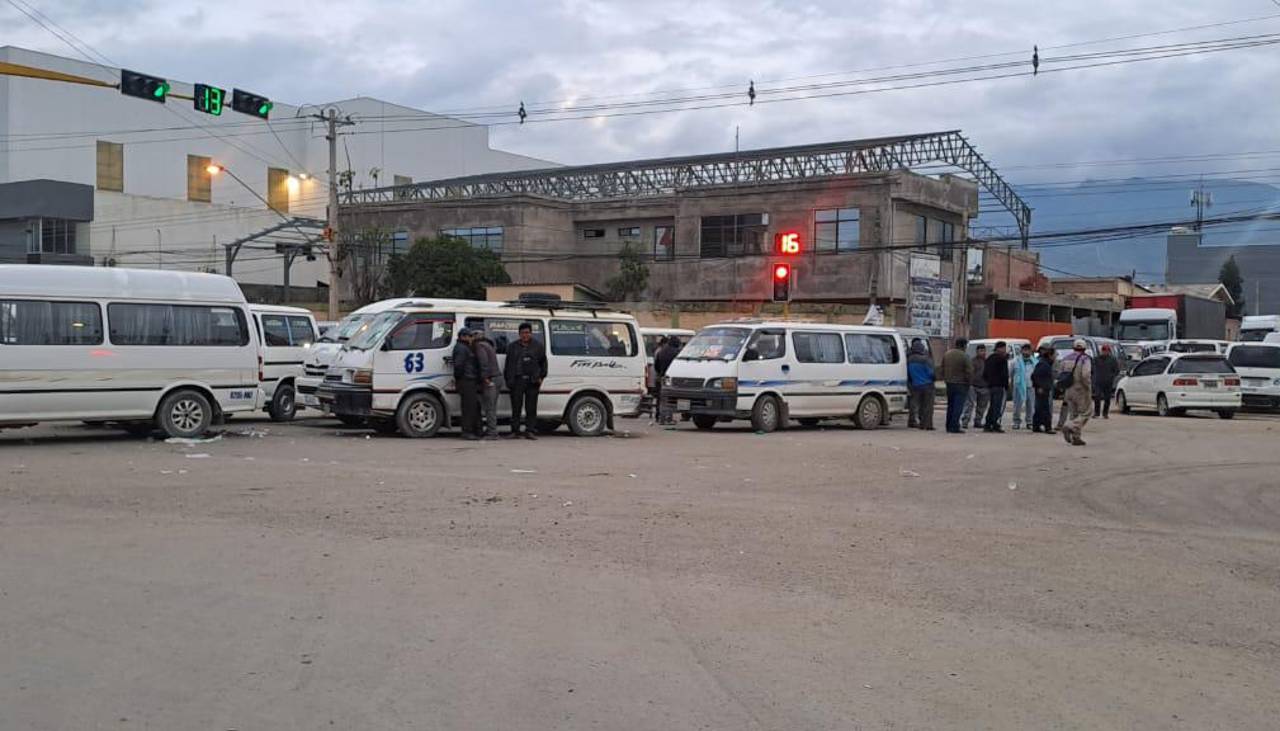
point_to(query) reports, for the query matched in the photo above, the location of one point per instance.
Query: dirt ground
(304, 577)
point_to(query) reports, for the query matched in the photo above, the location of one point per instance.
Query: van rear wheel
(284, 404)
(870, 413)
(420, 415)
(184, 414)
(588, 416)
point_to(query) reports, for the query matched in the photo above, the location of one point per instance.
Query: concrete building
(707, 225)
(65, 129)
(1117, 290)
(1010, 297)
(1189, 261)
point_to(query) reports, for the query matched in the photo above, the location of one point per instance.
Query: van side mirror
(750, 355)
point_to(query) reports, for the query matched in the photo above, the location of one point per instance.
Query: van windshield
(1143, 331)
(715, 343)
(373, 335)
(343, 331)
(1254, 336)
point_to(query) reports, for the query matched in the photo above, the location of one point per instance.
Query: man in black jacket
(525, 369)
(466, 379)
(995, 373)
(661, 362)
(1042, 384)
(1105, 370)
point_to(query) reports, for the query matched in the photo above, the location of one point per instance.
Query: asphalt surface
(304, 576)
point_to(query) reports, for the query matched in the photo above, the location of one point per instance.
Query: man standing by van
(957, 373)
(466, 379)
(661, 362)
(1105, 371)
(995, 373)
(526, 367)
(975, 409)
(489, 383)
(920, 380)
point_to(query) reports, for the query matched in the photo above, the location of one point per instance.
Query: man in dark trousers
(920, 388)
(995, 373)
(1105, 370)
(661, 362)
(1042, 383)
(526, 367)
(466, 379)
(957, 373)
(490, 385)
(976, 407)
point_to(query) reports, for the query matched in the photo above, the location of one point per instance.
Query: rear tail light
(1185, 382)
(1232, 381)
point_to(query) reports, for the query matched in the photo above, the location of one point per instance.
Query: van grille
(687, 382)
(315, 370)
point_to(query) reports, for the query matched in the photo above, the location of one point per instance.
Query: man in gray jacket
(490, 380)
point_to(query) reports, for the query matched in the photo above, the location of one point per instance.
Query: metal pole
(288, 264)
(159, 250)
(334, 276)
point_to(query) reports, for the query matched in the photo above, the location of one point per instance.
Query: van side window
(871, 349)
(770, 344)
(275, 330)
(814, 347)
(35, 322)
(422, 333)
(592, 337)
(301, 331)
(196, 325)
(503, 330)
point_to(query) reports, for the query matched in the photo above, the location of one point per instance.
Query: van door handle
(786, 368)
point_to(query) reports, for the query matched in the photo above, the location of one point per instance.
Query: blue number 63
(413, 363)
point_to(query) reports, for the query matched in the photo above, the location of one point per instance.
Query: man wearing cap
(466, 380)
(1075, 374)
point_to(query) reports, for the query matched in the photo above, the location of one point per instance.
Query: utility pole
(331, 232)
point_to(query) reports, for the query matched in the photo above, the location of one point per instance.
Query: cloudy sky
(452, 55)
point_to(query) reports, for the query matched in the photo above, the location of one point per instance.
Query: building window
(399, 243)
(664, 242)
(629, 232)
(480, 237)
(110, 166)
(53, 236)
(836, 229)
(974, 265)
(922, 230)
(278, 189)
(199, 181)
(592, 233)
(736, 235)
(948, 232)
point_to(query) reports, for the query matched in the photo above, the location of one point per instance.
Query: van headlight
(666, 381)
(723, 384)
(362, 376)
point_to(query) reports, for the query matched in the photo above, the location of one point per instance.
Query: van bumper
(345, 399)
(700, 402)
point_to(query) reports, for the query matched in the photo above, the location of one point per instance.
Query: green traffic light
(161, 91)
(264, 109)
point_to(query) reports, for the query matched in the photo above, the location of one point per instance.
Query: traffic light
(209, 99)
(786, 243)
(251, 104)
(781, 282)
(143, 86)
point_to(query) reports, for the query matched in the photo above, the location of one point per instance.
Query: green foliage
(444, 267)
(632, 278)
(1229, 276)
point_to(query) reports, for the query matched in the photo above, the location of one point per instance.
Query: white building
(89, 175)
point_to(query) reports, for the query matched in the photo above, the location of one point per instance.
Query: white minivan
(286, 334)
(144, 349)
(397, 374)
(772, 371)
(1259, 367)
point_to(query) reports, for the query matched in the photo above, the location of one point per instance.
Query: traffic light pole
(332, 232)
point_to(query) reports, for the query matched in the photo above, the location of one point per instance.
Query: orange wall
(1031, 330)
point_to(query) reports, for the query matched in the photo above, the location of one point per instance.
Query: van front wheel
(870, 413)
(185, 414)
(420, 416)
(704, 421)
(588, 416)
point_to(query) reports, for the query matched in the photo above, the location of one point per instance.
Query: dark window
(592, 233)
(503, 330)
(592, 337)
(836, 229)
(1255, 356)
(818, 347)
(195, 325)
(664, 242)
(421, 333)
(1201, 365)
(480, 237)
(275, 331)
(34, 322)
(57, 236)
(922, 230)
(629, 232)
(871, 349)
(948, 232)
(770, 344)
(1151, 367)
(301, 331)
(736, 235)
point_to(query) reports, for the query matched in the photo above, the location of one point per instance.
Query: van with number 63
(139, 349)
(397, 373)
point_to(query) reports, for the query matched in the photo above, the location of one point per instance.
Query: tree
(445, 267)
(1229, 276)
(632, 277)
(364, 256)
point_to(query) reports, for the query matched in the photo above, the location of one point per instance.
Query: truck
(1152, 320)
(1256, 328)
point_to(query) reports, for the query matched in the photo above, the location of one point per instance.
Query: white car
(1259, 367)
(1198, 346)
(1172, 383)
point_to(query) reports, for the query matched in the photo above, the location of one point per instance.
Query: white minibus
(397, 374)
(144, 349)
(286, 334)
(773, 371)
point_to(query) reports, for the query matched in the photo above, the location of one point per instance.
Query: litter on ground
(198, 455)
(908, 473)
(186, 440)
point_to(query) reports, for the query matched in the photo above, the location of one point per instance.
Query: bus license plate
(682, 404)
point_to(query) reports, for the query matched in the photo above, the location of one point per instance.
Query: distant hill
(1100, 204)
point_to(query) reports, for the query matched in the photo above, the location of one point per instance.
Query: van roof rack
(540, 300)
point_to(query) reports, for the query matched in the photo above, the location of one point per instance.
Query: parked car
(1172, 383)
(1259, 367)
(1199, 346)
(286, 334)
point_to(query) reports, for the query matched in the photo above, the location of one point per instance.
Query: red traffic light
(782, 271)
(787, 242)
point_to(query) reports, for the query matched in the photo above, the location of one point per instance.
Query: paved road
(311, 577)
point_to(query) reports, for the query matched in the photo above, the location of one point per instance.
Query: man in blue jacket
(920, 388)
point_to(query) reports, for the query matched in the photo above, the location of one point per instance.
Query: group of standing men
(978, 387)
(479, 382)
